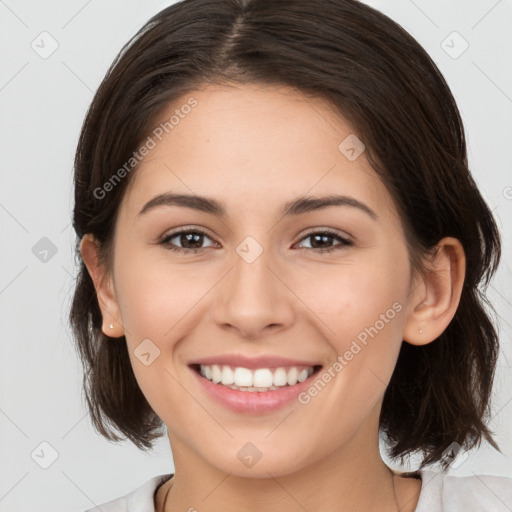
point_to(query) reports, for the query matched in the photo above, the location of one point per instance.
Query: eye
(321, 239)
(191, 240)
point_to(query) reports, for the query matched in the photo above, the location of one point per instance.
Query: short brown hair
(383, 82)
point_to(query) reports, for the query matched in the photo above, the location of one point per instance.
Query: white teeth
(262, 379)
(303, 375)
(293, 373)
(280, 377)
(216, 374)
(228, 376)
(243, 377)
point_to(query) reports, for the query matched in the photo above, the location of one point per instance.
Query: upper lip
(265, 361)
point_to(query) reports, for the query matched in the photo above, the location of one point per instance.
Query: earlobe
(436, 298)
(112, 325)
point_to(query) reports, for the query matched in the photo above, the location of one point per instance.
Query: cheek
(363, 305)
(365, 313)
(155, 298)
(354, 297)
(159, 303)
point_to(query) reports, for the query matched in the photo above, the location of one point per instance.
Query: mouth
(250, 380)
(256, 384)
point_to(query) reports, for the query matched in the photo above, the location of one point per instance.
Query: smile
(259, 380)
(256, 390)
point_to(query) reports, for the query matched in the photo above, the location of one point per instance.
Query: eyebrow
(295, 207)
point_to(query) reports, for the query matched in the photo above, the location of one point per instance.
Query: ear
(436, 296)
(89, 249)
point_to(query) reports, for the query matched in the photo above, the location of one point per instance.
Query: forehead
(242, 143)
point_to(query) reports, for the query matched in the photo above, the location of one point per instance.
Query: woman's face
(256, 292)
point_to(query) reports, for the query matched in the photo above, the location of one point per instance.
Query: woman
(282, 251)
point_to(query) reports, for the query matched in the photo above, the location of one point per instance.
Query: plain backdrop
(43, 100)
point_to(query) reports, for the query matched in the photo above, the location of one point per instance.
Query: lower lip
(255, 402)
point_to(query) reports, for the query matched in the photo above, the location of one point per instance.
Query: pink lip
(252, 362)
(255, 402)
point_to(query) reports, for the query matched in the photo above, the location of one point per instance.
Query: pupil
(323, 239)
(189, 237)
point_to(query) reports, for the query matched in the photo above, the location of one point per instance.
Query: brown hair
(382, 81)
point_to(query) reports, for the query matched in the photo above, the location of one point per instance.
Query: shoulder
(447, 492)
(139, 500)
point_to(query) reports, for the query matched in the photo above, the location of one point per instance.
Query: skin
(253, 148)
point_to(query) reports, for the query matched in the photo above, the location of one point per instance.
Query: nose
(253, 299)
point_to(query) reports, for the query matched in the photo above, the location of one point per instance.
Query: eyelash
(166, 240)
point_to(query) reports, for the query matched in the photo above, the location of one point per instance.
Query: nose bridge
(252, 296)
(251, 277)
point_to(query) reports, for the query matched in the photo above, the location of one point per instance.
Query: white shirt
(440, 492)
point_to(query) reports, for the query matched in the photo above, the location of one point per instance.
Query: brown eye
(321, 241)
(185, 240)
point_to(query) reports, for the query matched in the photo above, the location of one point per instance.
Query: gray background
(43, 100)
